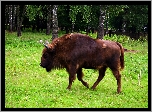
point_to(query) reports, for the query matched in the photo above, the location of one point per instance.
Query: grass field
(27, 85)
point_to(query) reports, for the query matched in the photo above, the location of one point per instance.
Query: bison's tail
(122, 55)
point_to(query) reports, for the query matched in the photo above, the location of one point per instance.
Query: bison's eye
(45, 55)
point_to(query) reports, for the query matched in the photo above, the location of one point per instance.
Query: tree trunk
(72, 27)
(38, 24)
(68, 18)
(107, 17)
(14, 18)
(88, 29)
(20, 19)
(10, 18)
(100, 32)
(48, 20)
(55, 22)
(124, 26)
(6, 16)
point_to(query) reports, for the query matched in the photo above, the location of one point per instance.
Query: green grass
(27, 85)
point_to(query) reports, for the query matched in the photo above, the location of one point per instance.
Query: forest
(130, 20)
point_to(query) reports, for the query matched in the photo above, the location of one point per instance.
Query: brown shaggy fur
(77, 51)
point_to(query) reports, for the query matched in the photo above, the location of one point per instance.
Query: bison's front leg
(72, 72)
(71, 79)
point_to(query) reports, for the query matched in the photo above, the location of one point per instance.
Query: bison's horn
(46, 46)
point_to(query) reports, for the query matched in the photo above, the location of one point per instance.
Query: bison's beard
(48, 69)
(47, 66)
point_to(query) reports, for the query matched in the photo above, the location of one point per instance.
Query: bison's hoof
(118, 92)
(87, 85)
(93, 88)
(68, 88)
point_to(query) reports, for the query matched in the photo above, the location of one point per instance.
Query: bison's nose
(40, 64)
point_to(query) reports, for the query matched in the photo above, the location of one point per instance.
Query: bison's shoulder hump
(75, 37)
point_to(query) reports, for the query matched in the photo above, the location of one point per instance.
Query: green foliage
(86, 12)
(74, 9)
(84, 9)
(27, 85)
(63, 16)
(134, 16)
(94, 16)
(114, 10)
(137, 16)
(33, 11)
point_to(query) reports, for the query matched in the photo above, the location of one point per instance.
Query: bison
(76, 51)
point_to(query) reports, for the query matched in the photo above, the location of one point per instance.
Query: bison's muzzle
(41, 65)
(47, 68)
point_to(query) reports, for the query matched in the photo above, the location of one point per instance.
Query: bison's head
(47, 57)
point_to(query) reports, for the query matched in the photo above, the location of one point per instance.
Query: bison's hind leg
(100, 77)
(117, 75)
(80, 75)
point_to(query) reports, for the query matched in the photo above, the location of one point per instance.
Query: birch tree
(49, 9)
(100, 32)
(6, 16)
(54, 22)
(10, 18)
(14, 18)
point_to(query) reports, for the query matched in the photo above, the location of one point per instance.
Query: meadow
(27, 85)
